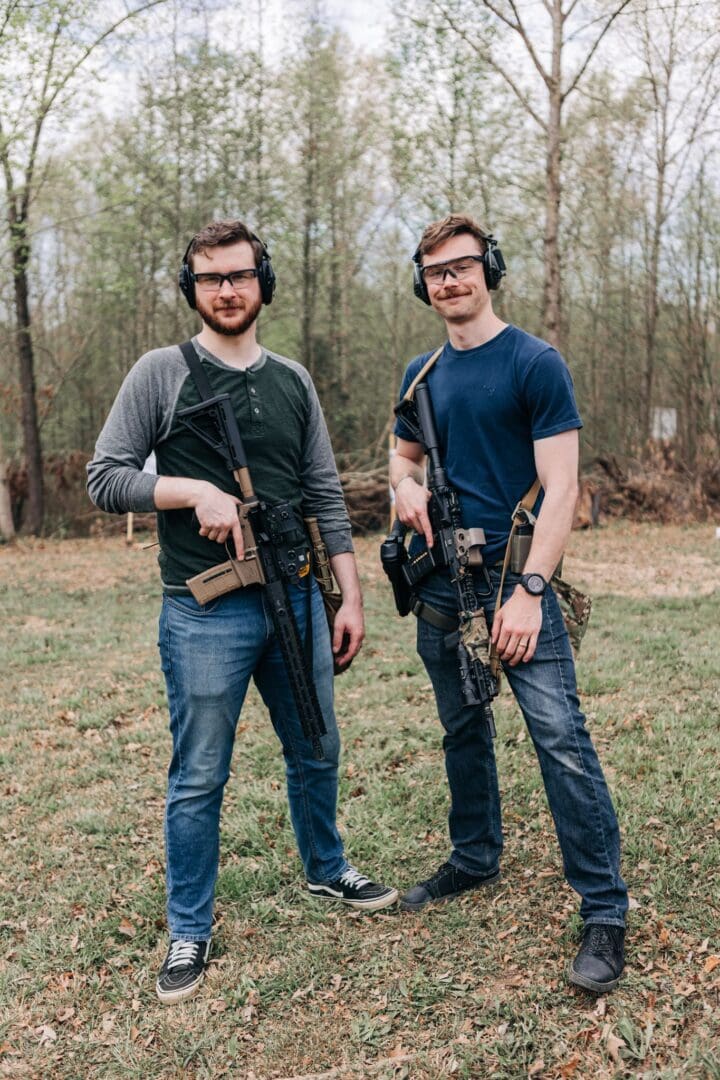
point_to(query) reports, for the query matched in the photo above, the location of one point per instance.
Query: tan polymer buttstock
(233, 574)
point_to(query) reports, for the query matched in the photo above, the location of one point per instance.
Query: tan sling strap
(410, 392)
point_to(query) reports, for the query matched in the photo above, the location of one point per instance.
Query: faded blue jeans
(545, 690)
(209, 654)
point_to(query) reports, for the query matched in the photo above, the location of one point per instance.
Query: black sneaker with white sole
(183, 970)
(355, 890)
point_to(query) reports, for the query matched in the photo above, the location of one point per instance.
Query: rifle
(454, 547)
(275, 551)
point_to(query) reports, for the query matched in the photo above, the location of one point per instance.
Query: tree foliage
(338, 158)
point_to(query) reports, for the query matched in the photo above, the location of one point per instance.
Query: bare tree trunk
(35, 507)
(509, 13)
(552, 285)
(307, 350)
(56, 73)
(7, 525)
(652, 304)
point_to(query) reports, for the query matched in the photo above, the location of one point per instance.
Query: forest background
(583, 133)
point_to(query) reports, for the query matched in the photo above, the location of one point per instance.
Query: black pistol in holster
(455, 547)
(276, 553)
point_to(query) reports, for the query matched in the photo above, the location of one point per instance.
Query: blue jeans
(545, 690)
(209, 653)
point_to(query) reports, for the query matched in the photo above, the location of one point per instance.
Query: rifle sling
(410, 392)
(202, 383)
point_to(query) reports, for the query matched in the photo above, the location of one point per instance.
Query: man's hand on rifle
(215, 509)
(217, 513)
(411, 503)
(516, 627)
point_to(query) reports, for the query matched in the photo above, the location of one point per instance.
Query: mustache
(452, 290)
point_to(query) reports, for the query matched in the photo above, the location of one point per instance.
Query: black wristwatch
(535, 584)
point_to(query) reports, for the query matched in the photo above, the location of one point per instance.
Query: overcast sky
(366, 21)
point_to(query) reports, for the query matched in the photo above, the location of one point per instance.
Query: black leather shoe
(446, 882)
(600, 962)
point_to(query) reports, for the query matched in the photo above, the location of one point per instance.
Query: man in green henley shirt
(210, 652)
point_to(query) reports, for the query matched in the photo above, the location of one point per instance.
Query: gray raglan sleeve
(138, 420)
(322, 492)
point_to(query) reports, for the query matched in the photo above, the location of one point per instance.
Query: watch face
(535, 584)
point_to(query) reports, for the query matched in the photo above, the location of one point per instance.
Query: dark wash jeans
(209, 654)
(545, 690)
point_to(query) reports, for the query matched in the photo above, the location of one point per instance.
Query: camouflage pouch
(475, 636)
(575, 607)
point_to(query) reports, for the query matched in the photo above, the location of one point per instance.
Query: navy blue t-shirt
(490, 404)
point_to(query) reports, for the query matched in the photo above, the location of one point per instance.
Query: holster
(520, 549)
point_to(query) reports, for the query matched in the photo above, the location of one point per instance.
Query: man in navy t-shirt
(506, 414)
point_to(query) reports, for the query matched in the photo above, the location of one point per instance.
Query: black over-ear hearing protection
(493, 268)
(266, 275)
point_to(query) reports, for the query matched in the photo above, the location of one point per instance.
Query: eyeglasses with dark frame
(458, 268)
(239, 279)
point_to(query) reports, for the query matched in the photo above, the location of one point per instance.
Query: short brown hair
(222, 234)
(452, 225)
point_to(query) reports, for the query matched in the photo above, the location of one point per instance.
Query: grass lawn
(472, 989)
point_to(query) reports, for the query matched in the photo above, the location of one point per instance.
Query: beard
(248, 311)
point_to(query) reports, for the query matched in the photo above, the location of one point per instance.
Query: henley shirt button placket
(256, 410)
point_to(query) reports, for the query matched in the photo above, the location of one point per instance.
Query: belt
(433, 616)
(437, 618)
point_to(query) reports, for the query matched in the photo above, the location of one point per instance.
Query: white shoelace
(182, 954)
(352, 877)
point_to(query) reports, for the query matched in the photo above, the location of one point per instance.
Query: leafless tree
(50, 43)
(564, 21)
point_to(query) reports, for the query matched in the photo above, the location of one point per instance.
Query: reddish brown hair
(453, 225)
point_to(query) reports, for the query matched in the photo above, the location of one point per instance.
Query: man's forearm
(179, 492)
(552, 531)
(344, 567)
(402, 467)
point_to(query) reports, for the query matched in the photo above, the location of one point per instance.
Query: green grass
(473, 989)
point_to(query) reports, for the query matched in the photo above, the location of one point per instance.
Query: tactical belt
(433, 616)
